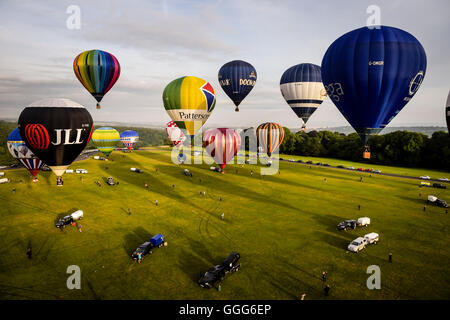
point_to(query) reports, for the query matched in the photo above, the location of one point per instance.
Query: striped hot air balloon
(270, 135)
(97, 71)
(105, 139)
(189, 101)
(175, 134)
(302, 88)
(23, 154)
(222, 144)
(129, 138)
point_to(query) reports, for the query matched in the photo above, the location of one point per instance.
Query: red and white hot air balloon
(175, 134)
(222, 144)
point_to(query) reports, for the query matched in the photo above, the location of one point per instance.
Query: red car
(360, 169)
(368, 170)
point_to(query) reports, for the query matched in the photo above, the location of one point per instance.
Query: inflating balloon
(371, 74)
(222, 144)
(302, 88)
(129, 139)
(105, 139)
(56, 131)
(270, 135)
(175, 134)
(189, 101)
(237, 78)
(97, 71)
(23, 154)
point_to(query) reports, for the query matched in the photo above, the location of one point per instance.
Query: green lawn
(284, 227)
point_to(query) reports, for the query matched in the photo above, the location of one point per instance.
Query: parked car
(351, 168)
(4, 180)
(326, 165)
(424, 184)
(83, 171)
(376, 171)
(439, 202)
(187, 173)
(363, 222)
(360, 169)
(2, 174)
(291, 160)
(300, 161)
(110, 181)
(69, 171)
(347, 224)
(318, 163)
(368, 170)
(357, 245)
(340, 166)
(137, 170)
(443, 179)
(281, 159)
(143, 249)
(64, 221)
(372, 238)
(425, 177)
(439, 186)
(309, 162)
(216, 274)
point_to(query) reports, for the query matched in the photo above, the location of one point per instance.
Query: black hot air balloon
(56, 130)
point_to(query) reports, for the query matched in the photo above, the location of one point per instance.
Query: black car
(319, 163)
(143, 249)
(216, 274)
(439, 186)
(441, 203)
(309, 162)
(281, 159)
(138, 171)
(347, 224)
(340, 166)
(110, 181)
(63, 222)
(326, 165)
(300, 161)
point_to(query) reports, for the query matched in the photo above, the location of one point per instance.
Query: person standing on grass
(390, 257)
(79, 228)
(324, 276)
(129, 211)
(359, 207)
(327, 290)
(360, 179)
(303, 296)
(222, 216)
(156, 202)
(424, 208)
(29, 253)
(139, 257)
(146, 186)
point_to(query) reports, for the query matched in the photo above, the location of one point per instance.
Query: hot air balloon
(222, 144)
(371, 74)
(237, 78)
(302, 88)
(447, 112)
(189, 101)
(97, 71)
(129, 138)
(56, 131)
(270, 135)
(23, 154)
(105, 139)
(175, 134)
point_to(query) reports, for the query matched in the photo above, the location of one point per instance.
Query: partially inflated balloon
(222, 144)
(237, 78)
(189, 101)
(56, 131)
(97, 71)
(447, 112)
(302, 88)
(175, 134)
(270, 135)
(105, 139)
(371, 74)
(23, 154)
(129, 138)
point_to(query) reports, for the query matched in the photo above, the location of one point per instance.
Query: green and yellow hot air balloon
(105, 139)
(189, 101)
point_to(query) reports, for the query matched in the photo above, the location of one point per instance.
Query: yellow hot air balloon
(189, 101)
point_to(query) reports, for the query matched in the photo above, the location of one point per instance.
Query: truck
(439, 202)
(137, 170)
(69, 219)
(357, 245)
(216, 274)
(144, 249)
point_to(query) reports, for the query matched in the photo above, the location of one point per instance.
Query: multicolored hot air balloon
(302, 88)
(56, 131)
(447, 112)
(237, 78)
(222, 144)
(23, 154)
(371, 74)
(97, 71)
(105, 139)
(270, 135)
(129, 138)
(189, 101)
(175, 134)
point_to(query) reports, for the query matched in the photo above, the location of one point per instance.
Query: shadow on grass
(133, 239)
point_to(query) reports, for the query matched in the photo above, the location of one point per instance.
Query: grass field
(284, 227)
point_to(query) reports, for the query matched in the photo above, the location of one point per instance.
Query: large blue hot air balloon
(371, 74)
(237, 78)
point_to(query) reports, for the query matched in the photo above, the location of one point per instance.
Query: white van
(77, 215)
(363, 222)
(357, 245)
(84, 171)
(96, 157)
(4, 180)
(372, 238)
(2, 174)
(432, 198)
(69, 170)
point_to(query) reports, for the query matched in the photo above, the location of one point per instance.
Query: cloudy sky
(157, 41)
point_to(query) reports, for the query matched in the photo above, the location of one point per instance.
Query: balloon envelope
(371, 74)
(56, 131)
(22, 153)
(237, 78)
(270, 135)
(175, 134)
(302, 88)
(97, 71)
(189, 101)
(222, 144)
(105, 139)
(129, 138)
(447, 112)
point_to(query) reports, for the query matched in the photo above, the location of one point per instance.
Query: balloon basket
(35, 180)
(98, 106)
(366, 155)
(237, 109)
